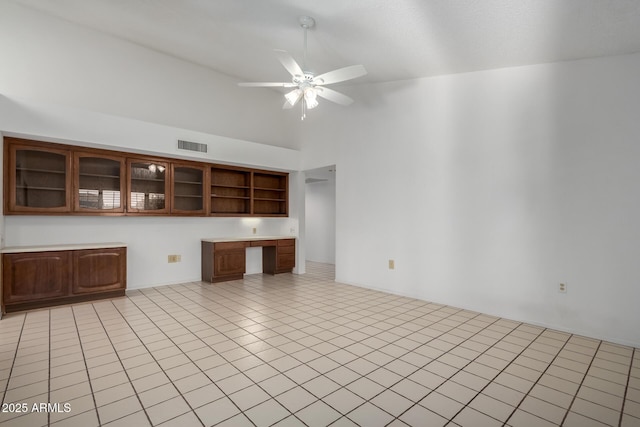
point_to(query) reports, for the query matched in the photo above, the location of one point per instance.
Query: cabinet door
(98, 183)
(99, 270)
(39, 179)
(148, 186)
(35, 276)
(188, 189)
(230, 262)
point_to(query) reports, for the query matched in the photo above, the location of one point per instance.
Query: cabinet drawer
(222, 246)
(286, 261)
(264, 243)
(286, 242)
(286, 250)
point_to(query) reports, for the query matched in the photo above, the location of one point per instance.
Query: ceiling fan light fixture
(293, 96)
(307, 85)
(310, 98)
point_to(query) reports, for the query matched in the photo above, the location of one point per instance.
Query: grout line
(626, 388)
(573, 399)
(84, 360)
(538, 379)
(15, 355)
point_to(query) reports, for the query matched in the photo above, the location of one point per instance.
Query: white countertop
(65, 247)
(245, 238)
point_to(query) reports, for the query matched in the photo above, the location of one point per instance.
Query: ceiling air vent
(192, 146)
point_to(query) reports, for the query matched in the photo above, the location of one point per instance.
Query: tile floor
(303, 350)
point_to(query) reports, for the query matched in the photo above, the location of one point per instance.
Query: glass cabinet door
(187, 189)
(148, 186)
(99, 183)
(39, 180)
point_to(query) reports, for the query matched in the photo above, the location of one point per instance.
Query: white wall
(49, 60)
(490, 188)
(320, 221)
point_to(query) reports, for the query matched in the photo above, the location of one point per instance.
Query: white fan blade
(340, 75)
(333, 96)
(266, 84)
(288, 62)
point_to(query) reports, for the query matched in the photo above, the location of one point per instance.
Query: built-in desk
(225, 258)
(42, 276)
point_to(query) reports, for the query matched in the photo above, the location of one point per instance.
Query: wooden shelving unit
(270, 192)
(230, 191)
(47, 178)
(188, 189)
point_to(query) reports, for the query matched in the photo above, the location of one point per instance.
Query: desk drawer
(222, 246)
(286, 250)
(264, 243)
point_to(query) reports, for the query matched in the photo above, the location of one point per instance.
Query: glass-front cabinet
(98, 183)
(148, 186)
(188, 189)
(40, 179)
(43, 178)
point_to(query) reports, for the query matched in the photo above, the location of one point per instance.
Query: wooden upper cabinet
(188, 189)
(48, 178)
(38, 178)
(270, 193)
(99, 183)
(230, 191)
(148, 186)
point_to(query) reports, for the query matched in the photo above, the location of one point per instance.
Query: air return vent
(192, 146)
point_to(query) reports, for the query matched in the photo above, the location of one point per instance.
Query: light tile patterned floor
(302, 350)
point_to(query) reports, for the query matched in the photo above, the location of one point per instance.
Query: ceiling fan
(307, 85)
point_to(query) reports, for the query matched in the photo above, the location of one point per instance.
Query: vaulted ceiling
(393, 39)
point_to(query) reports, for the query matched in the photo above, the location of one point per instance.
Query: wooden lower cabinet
(99, 270)
(47, 278)
(31, 277)
(286, 255)
(228, 263)
(223, 261)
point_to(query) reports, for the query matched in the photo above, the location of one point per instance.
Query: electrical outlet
(392, 264)
(562, 288)
(174, 258)
(255, 230)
